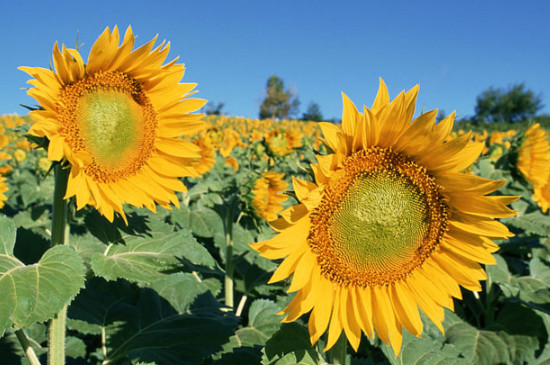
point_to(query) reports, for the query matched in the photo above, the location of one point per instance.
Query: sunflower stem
(339, 351)
(60, 232)
(59, 215)
(29, 351)
(229, 270)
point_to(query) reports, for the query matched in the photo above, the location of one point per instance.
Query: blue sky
(454, 50)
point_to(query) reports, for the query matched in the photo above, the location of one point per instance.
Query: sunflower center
(378, 221)
(110, 122)
(108, 116)
(278, 144)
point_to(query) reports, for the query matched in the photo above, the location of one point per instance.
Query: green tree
(313, 113)
(440, 116)
(278, 103)
(214, 109)
(514, 104)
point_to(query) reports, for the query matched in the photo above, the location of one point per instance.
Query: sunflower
(542, 195)
(207, 154)
(44, 164)
(3, 189)
(534, 156)
(281, 142)
(19, 155)
(117, 120)
(390, 224)
(233, 163)
(267, 200)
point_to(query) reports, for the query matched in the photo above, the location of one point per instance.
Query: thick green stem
(56, 355)
(228, 225)
(59, 214)
(29, 351)
(339, 351)
(229, 302)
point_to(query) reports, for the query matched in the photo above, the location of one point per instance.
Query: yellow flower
(44, 164)
(3, 189)
(542, 195)
(232, 161)
(230, 140)
(496, 151)
(117, 119)
(267, 200)
(534, 156)
(207, 152)
(282, 142)
(19, 155)
(389, 224)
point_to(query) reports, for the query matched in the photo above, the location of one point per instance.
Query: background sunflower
(117, 120)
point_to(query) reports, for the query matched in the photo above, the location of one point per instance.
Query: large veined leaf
(180, 289)
(87, 245)
(146, 259)
(34, 293)
(424, 350)
(533, 291)
(291, 345)
(141, 326)
(505, 343)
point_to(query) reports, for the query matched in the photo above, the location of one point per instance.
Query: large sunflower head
(533, 159)
(117, 120)
(390, 224)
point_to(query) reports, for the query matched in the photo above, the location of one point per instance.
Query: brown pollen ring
(71, 126)
(369, 253)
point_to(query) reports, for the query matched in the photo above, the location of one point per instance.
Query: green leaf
(523, 340)
(291, 345)
(534, 224)
(205, 222)
(35, 293)
(37, 217)
(7, 236)
(478, 347)
(87, 246)
(146, 259)
(263, 322)
(544, 358)
(75, 347)
(533, 291)
(142, 326)
(484, 167)
(83, 327)
(508, 342)
(499, 273)
(11, 351)
(180, 289)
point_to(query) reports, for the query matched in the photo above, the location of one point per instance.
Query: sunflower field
(136, 230)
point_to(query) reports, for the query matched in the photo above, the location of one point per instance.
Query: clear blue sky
(453, 49)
